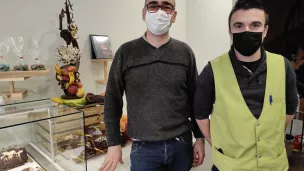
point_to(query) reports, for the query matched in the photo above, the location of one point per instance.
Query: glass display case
(41, 135)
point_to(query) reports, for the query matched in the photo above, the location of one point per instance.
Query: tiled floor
(95, 163)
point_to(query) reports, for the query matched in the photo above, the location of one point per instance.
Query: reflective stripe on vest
(248, 143)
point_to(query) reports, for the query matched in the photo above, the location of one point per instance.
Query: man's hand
(114, 156)
(198, 152)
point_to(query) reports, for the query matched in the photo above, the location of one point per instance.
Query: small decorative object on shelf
(34, 53)
(4, 48)
(18, 45)
(91, 98)
(68, 77)
(101, 47)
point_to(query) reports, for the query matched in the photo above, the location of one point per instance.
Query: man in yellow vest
(251, 96)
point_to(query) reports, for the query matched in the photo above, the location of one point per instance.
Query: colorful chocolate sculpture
(68, 76)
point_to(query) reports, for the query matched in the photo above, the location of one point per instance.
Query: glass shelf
(28, 99)
(49, 135)
(27, 112)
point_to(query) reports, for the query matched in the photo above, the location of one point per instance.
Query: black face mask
(247, 43)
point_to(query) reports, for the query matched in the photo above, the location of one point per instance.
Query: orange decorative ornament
(123, 123)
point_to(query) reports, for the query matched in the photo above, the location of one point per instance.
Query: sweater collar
(145, 38)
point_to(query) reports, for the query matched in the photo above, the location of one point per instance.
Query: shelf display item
(34, 133)
(98, 137)
(12, 158)
(68, 76)
(4, 48)
(34, 53)
(91, 98)
(17, 47)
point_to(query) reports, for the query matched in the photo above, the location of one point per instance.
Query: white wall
(207, 29)
(120, 19)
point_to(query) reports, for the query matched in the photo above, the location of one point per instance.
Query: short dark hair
(249, 4)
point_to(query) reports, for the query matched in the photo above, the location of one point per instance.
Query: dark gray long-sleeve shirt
(252, 86)
(159, 84)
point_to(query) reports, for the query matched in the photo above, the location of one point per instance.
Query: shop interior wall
(38, 19)
(207, 29)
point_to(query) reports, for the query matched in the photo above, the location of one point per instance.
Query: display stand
(105, 72)
(12, 76)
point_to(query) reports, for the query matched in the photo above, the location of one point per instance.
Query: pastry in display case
(31, 140)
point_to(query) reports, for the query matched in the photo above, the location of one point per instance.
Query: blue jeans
(171, 155)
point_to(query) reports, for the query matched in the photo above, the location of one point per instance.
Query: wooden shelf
(12, 76)
(101, 81)
(101, 60)
(105, 72)
(20, 74)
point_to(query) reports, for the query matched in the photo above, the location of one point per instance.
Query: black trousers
(214, 168)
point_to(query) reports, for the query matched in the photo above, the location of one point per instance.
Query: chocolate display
(89, 152)
(100, 142)
(74, 141)
(98, 137)
(38, 67)
(33, 169)
(28, 169)
(34, 53)
(70, 142)
(89, 149)
(13, 158)
(4, 48)
(4, 67)
(91, 98)
(21, 67)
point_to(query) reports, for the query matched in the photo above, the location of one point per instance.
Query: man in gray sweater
(158, 75)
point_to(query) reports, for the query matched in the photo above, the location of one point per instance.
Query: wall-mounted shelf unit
(12, 76)
(105, 72)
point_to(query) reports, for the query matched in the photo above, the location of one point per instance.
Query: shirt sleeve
(205, 94)
(113, 100)
(291, 89)
(192, 78)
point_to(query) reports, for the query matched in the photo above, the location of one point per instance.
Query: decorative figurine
(68, 76)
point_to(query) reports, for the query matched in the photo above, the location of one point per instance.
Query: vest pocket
(220, 151)
(282, 162)
(279, 163)
(222, 161)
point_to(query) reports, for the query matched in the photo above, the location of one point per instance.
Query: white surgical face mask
(158, 23)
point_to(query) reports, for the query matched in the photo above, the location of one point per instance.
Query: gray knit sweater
(159, 84)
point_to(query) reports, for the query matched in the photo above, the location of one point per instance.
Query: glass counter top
(33, 111)
(31, 97)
